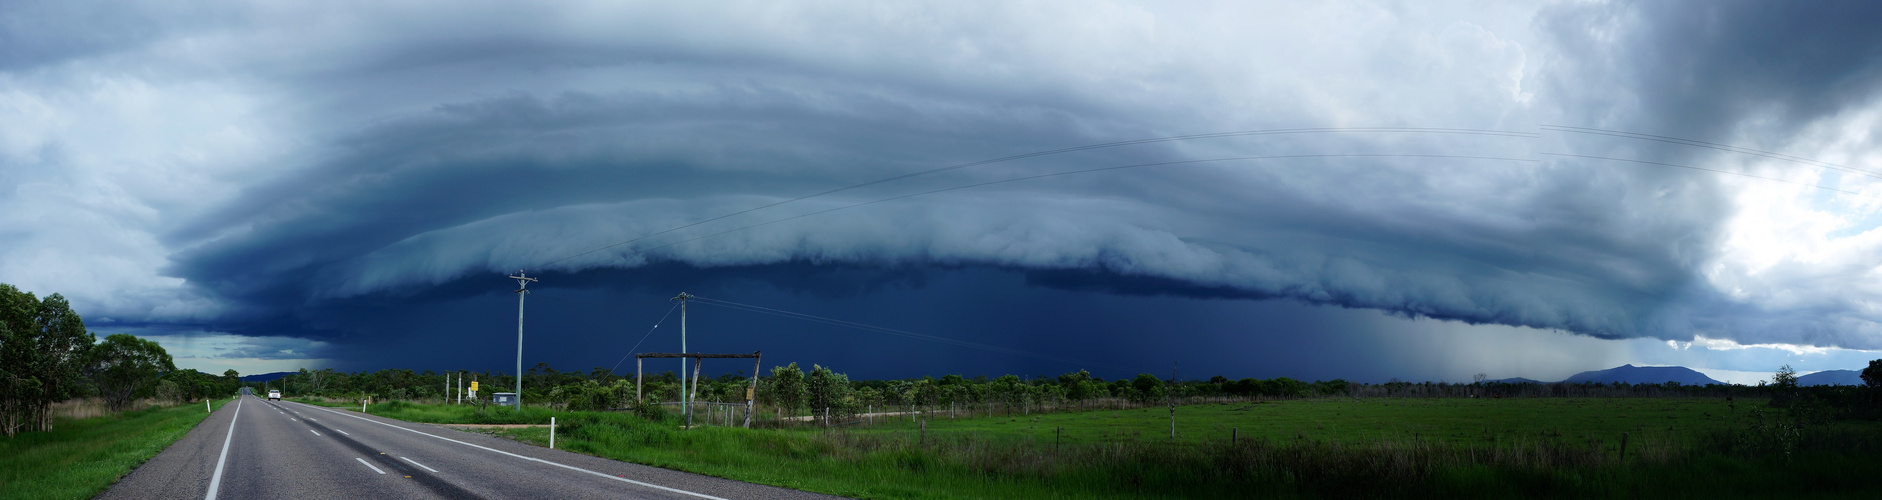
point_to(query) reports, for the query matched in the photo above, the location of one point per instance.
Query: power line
(1072, 172)
(1741, 174)
(1215, 135)
(1710, 145)
(643, 338)
(897, 332)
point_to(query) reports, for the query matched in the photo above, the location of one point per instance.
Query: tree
(126, 367)
(787, 386)
(1783, 386)
(1147, 387)
(42, 351)
(1872, 376)
(826, 390)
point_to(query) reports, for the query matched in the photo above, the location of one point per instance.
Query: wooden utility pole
(522, 290)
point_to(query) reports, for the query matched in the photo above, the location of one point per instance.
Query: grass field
(79, 458)
(1362, 421)
(1479, 448)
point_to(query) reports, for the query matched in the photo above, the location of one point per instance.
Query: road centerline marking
(362, 461)
(316, 433)
(532, 459)
(415, 462)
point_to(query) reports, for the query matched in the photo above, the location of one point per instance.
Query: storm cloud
(325, 172)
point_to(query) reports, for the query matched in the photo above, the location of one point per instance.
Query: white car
(274, 395)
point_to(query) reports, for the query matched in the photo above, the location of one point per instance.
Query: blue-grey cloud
(349, 170)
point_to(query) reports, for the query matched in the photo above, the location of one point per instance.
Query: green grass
(80, 458)
(1361, 421)
(1322, 447)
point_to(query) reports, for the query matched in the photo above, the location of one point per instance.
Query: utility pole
(685, 393)
(522, 290)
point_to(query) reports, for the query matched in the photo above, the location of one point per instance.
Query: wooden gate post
(751, 392)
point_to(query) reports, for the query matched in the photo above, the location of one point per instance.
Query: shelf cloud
(1661, 170)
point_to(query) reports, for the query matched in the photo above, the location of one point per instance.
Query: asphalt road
(255, 448)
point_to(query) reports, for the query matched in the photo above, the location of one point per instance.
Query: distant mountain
(266, 377)
(1630, 374)
(1832, 377)
(1518, 380)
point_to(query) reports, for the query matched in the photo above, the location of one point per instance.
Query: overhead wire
(1711, 145)
(1689, 167)
(643, 338)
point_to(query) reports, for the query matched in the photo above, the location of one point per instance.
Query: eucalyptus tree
(42, 354)
(125, 367)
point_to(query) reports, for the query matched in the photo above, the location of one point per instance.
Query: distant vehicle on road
(274, 395)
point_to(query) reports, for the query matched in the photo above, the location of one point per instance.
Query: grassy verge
(1311, 448)
(79, 458)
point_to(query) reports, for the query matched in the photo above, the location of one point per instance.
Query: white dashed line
(415, 462)
(362, 461)
(315, 433)
(341, 431)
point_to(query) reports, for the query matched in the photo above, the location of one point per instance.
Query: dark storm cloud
(398, 157)
(521, 180)
(1729, 71)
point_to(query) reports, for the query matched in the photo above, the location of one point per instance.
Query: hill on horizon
(1831, 377)
(1630, 374)
(266, 377)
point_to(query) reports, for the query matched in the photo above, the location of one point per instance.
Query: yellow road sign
(473, 386)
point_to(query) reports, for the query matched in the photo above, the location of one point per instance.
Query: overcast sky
(1364, 190)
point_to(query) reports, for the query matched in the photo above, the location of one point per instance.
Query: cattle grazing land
(1666, 445)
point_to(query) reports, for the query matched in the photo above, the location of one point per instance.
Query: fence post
(1233, 434)
(924, 433)
(1623, 447)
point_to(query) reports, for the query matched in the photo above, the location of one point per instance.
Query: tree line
(48, 356)
(797, 391)
(788, 387)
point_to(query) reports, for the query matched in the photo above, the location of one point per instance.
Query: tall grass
(884, 465)
(79, 458)
(998, 458)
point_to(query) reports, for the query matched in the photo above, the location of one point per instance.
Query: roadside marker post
(551, 433)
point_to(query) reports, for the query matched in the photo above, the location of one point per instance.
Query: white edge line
(362, 461)
(533, 459)
(316, 433)
(215, 482)
(415, 462)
